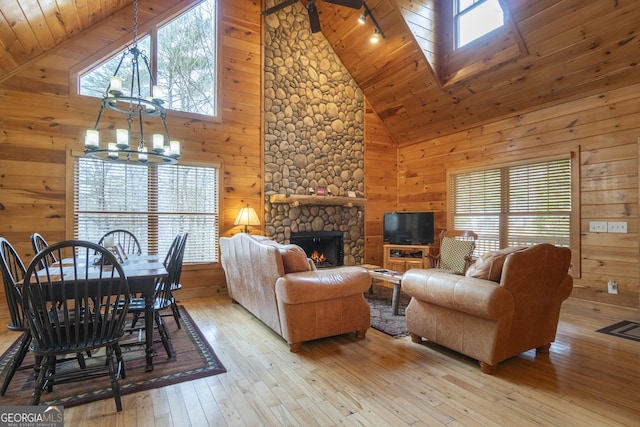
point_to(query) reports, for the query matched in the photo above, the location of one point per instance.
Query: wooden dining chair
(179, 244)
(76, 307)
(13, 272)
(124, 238)
(39, 243)
(163, 298)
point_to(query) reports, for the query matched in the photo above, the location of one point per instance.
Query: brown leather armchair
(492, 320)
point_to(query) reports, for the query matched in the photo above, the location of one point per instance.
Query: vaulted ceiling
(573, 48)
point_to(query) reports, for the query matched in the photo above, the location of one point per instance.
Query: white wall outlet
(612, 287)
(597, 227)
(617, 227)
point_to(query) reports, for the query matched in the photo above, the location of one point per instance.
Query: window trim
(70, 196)
(147, 28)
(574, 222)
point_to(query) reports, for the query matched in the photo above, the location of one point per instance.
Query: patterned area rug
(625, 329)
(382, 317)
(194, 359)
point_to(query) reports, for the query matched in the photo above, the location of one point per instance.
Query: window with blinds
(517, 205)
(154, 203)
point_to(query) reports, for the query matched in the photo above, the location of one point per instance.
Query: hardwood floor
(588, 379)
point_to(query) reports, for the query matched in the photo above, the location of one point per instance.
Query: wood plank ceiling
(574, 48)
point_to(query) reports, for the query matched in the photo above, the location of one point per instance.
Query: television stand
(403, 257)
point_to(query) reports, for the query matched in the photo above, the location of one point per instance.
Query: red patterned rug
(194, 359)
(382, 317)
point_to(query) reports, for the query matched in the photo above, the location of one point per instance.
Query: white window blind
(154, 203)
(514, 205)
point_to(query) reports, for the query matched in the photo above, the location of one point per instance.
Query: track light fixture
(363, 18)
(375, 37)
(377, 32)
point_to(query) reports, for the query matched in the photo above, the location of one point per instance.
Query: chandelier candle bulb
(92, 139)
(115, 85)
(122, 139)
(113, 150)
(142, 157)
(158, 142)
(175, 148)
(157, 92)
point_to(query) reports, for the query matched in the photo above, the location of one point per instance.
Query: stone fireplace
(323, 247)
(313, 134)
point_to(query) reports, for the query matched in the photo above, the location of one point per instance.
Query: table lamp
(247, 216)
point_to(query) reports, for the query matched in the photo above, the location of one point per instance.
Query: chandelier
(130, 145)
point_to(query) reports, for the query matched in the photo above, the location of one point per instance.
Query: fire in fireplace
(325, 248)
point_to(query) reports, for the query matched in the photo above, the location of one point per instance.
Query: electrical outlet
(612, 287)
(617, 227)
(597, 227)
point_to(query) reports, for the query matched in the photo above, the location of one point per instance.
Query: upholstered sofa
(282, 288)
(507, 303)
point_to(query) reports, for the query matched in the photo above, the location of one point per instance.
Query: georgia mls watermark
(31, 416)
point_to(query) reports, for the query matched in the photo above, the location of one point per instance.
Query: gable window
(154, 203)
(514, 205)
(475, 18)
(182, 56)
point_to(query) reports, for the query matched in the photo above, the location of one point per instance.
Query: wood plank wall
(381, 182)
(605, 127)
(41, 121)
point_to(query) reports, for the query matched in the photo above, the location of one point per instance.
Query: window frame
(574, 215)
(150, 28)
(153, 247)
(503, 44)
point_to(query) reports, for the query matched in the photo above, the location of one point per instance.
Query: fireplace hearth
(325, 248)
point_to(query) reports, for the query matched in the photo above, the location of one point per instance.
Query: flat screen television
(408, 228)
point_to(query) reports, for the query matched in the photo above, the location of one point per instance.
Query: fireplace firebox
(325, 248)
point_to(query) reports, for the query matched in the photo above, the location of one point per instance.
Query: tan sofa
(279, 285)
(508, 303)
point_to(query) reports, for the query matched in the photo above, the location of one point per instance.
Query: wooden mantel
(297, 200)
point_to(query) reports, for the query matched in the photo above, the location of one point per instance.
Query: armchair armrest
(319, 285)
(478, 297)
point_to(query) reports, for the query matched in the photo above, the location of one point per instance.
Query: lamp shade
(247, 216)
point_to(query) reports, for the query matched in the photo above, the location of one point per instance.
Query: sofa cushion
(453, 253)
(489, 266)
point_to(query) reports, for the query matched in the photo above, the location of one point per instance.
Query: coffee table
(393, 278)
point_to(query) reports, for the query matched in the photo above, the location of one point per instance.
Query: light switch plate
(617, 227)
(597, 227)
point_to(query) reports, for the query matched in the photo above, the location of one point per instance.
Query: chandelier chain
(135, 22)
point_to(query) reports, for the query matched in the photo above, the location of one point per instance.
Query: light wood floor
(588, 379)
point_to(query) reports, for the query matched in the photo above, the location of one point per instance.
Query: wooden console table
(403, 257)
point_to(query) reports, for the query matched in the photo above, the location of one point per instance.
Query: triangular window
(182, 56)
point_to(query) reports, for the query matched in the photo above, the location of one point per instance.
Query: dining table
(143, 272)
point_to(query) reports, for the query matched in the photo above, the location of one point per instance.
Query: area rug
(194, 358)
(382, 317)
(625, 329)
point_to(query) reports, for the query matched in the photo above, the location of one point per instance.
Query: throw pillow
(489, 266)
(453, 254)
(294, 259)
